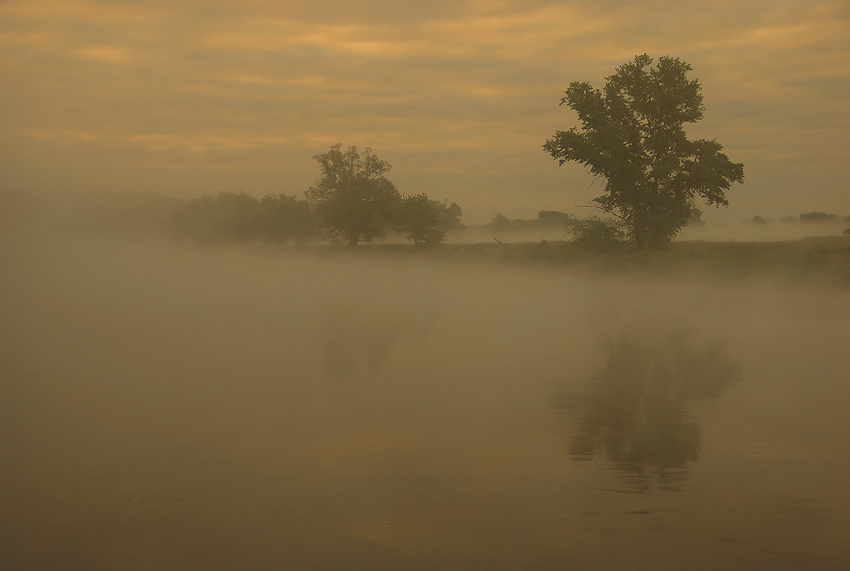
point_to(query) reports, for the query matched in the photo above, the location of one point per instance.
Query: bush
(418, 218)
(600, 234)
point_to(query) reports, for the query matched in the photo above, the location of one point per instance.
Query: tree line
(353, 201)
(631, 135)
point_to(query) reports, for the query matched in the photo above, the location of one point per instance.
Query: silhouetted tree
(418, 218)
(449, 215)
(758, 221)
(500, 221)
(817, 217)
(353, 196)
(551, 218)
(632, 135)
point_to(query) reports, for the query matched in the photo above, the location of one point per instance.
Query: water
(174, 408)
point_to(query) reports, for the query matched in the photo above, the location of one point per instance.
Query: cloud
(466, 81)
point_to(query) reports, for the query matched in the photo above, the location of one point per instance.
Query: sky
(189, 97)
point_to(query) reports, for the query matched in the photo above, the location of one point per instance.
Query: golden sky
(189, 97)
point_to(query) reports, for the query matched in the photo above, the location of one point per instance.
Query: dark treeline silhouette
(822, 217)
(634, 411)
(352, 202)
(232, 216)
(355, 202)
(283, 218)
(545, 219)
(813, 217)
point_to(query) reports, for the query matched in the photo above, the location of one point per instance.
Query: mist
(167, 405)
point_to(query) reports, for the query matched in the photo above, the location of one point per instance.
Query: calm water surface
(172, 408)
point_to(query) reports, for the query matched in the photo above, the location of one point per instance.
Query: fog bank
(170, 406)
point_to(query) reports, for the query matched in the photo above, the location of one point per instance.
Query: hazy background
(189, 98)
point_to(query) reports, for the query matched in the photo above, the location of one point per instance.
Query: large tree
(354, 198)
(632, 135)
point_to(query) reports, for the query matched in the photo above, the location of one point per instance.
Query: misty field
(490, 406)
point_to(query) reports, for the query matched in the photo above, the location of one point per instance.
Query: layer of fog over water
(164, 406)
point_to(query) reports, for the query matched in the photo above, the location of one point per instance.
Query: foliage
(632, 135)
(600, 234)
(817, 217)
(551, 218)
(227, 216)
(239, 216)
(545, 219)
(448, 214)
(759, 221)
(286, 217)
(502, 222)
(354, 197)
(418, 218)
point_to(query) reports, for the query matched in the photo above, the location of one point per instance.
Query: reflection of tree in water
(635, 409)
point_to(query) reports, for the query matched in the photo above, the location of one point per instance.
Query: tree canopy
(354, 197)
(240, 216)
(418, 218)
(632, 135)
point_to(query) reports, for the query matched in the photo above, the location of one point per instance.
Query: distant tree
(353, 196)
(551, 218)
(449, 215)
(500, 221)
(227, 216)
(238, 216)
(632, 135)
(286, 218)
(758, 221)
(418, 218)
(818, 217)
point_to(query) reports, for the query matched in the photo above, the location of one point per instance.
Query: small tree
(551, 218)
(632, 135)
(353, 196)
(418, 218)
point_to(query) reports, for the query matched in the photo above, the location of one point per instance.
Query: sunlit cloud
(465, 81)
(106, 54)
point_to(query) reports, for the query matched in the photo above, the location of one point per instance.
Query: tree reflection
(635, 409)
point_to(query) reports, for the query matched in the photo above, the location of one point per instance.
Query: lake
(171, 407)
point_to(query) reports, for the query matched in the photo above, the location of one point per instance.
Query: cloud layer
(194, 97)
